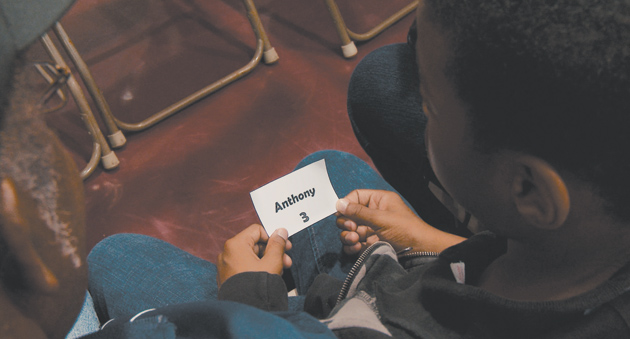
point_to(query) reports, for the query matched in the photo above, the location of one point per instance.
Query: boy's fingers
(287, 261)
(369, 232)
(360, 214)
(350, 225)
(251, 235)
(346, 224)
(363, 196)
(349, 238)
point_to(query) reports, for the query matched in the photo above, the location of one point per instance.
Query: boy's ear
(539, 193)
(24, 267)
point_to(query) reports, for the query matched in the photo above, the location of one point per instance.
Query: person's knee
(113, 244)
(331, 156)
(325, 154)
(341, 166)
(109, 252)
(113, 258)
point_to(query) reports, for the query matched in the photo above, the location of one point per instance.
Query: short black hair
(548, 78)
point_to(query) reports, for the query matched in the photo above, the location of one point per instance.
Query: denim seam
(316, 253)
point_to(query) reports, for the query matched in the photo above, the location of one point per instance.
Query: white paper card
(297, 200)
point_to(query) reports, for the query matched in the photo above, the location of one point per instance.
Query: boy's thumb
(277, 243)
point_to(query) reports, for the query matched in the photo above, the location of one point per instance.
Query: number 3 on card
(304, 217)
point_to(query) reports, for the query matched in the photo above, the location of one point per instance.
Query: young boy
(526, 106)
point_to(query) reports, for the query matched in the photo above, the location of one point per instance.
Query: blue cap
(21, 22)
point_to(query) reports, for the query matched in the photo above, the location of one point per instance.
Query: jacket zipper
(353, 271)
(418, 254)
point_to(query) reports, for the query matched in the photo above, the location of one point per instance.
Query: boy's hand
(253, 251)
(366, 216)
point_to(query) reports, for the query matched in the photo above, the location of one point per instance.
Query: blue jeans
(87, 321)
(130, 273)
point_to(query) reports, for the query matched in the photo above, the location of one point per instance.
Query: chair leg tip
(117, 139)
(110, 160)
(349, 50)
(270, 56)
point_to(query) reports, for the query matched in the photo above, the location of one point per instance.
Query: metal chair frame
(115, 126)
(100, 150)
(347, 36)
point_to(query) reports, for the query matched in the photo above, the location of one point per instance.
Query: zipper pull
(403, 251)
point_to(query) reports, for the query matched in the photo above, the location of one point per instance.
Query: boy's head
(546, 79)
(43, 273)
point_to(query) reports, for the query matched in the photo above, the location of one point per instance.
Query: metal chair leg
(347, 36)
(191, 99)
(107, 156)
(269, 53)
(264, 51)
(116, 137)
(93, 163)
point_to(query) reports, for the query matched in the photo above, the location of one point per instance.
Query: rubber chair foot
(110, 160)
(270, 56)
(117, 139)
(349, 50)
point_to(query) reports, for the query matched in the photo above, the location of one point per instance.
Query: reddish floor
(187, 180)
